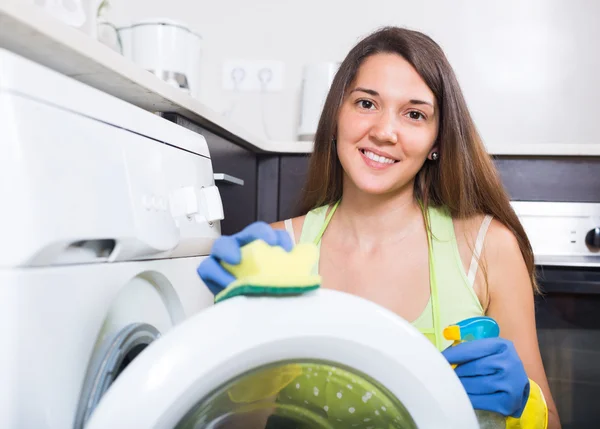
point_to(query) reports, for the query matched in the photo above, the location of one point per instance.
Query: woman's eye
(366, 104)
(415, 115)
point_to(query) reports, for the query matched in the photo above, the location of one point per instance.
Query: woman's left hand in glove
(492, 374)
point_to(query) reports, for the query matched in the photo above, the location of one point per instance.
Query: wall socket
(253, 75)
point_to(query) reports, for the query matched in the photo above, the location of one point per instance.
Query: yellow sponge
(270, 270)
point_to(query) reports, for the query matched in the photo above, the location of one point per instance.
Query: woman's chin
(376, 184)
(377, 189)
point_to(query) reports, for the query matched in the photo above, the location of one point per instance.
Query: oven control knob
(592, 239)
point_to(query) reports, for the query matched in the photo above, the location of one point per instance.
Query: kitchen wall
(528, 68)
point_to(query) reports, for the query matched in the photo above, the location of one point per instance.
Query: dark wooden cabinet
(569, 179)
(239, 201)
(293, 173)
(526, 178)
(267, 203)
(281, 178)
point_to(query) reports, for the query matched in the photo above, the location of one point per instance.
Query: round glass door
(264, 363)
(302, 395)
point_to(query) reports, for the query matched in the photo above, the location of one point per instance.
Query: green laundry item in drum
(344, 398)
(300, 395)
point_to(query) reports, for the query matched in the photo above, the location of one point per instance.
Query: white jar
(167, 48)
(316, 82)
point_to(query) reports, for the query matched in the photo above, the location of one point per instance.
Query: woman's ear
(434, 154)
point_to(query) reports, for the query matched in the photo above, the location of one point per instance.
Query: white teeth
(378, 158)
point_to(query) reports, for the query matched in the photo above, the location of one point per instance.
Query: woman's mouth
(376, 161)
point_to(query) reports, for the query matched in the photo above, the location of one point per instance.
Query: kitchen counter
(28, 31)
(31, 33)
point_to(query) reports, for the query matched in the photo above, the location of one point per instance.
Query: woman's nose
(385, 128)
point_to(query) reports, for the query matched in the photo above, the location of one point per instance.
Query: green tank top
(452, 297)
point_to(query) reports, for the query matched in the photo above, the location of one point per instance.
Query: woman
(409, 212)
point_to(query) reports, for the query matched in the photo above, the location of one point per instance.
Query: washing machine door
(325, 359)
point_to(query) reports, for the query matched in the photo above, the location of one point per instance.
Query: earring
(333, 141)
(435, 156)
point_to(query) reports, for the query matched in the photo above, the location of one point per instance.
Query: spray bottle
(476, 328)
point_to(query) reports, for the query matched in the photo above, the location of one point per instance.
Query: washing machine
(109, 210)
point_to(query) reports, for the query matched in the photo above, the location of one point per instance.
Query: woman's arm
(512, 306)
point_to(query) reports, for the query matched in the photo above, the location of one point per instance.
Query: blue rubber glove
(492, 374)
(227, 248)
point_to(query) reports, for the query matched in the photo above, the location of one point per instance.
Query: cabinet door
(292, 177)
(267, 188)
(570, 179)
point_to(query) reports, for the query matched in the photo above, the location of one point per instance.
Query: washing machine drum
(325, 359)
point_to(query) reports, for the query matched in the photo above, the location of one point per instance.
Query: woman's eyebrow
(376, 94)
(366, 90)
(421, 102)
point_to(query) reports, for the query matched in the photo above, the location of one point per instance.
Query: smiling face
(387, 126)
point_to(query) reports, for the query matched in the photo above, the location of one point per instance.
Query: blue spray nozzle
(474, 328)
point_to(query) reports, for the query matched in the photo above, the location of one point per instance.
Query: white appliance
(561, 233)
(107, 211)
(316, 81)
(106, 322)
(167, 48)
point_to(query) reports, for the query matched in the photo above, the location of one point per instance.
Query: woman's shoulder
(497, 234)
(499, 246)
(297, 224)
(468, 226)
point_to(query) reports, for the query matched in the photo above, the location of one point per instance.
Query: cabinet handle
(228, 179)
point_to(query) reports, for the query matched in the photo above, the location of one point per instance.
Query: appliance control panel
(92, 192)
(177, 206)
(562, 233)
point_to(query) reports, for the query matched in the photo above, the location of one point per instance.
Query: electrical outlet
(253, 75)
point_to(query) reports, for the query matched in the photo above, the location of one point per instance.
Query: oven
(565, 237)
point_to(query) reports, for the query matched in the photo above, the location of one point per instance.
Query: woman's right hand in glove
(227, 248)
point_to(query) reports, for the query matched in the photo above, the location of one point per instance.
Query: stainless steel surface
(568, 312)
(568, 261)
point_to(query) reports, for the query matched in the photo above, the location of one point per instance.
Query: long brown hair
(470, 185)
